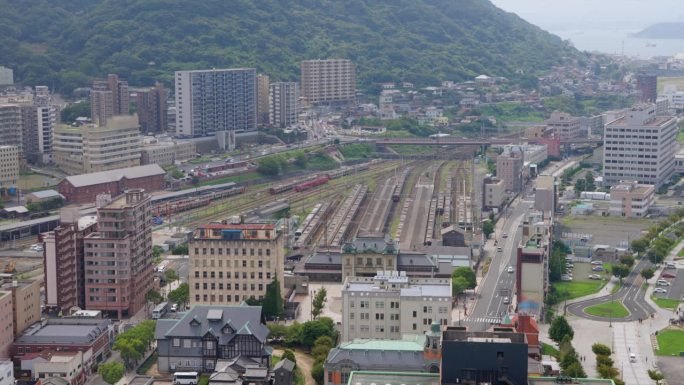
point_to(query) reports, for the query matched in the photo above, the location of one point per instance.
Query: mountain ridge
(673, 30)
(422, 41)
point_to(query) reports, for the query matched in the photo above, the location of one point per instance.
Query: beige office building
(92, 148)
(564, 125)
(509, 168)
(493, 193)
(6, 324)
(328, 81)
(167, 152)
(391, 304)
(9, 166)
(631, 199)
(229, 263)
(25, 304)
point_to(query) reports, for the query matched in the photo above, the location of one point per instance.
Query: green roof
(411, 343)
(393, 378)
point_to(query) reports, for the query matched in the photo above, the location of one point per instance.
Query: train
(161, 209)
(344, 171)
(323, 179)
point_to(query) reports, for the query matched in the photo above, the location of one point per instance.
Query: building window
(414, 315)
(196, 274)
(204, 274)
(204, 251)
(261, 263)
(213, 274)
(176, 342)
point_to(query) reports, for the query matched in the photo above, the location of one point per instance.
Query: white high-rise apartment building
(328, 81)
(391, 304)
(639, 146)
(210, 101)
(6, 76)
(283, 104)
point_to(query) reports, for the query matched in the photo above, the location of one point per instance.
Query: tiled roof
(115, 175)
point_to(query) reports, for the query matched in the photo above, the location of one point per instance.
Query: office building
(109, 98)
(93, 148)
(92, 336)
(631, 199)
(532, 266)
(63, 365)
(509, 168)
(39, 119)
(207, 335)
(229, 263)
(151, 110)
(9, 168)
(564, 125)
(328, 81)
(263, 102)
(6, 372)
(118, 256)
(11, 126)
(492, 357)
(647, 86)
(167, 152)
(25, 303)
(6, 324)
(210, 101)
(85, 188)
(64, 261)
(546, 194)
(391, 304)
(639, 146)
(493, 193)
(6, 76)
(283, 104)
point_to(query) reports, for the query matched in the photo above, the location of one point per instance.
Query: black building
(498, 357)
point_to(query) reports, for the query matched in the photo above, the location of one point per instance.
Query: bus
(185, 378)
(160, 310)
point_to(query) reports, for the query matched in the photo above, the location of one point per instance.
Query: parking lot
(613, 231)
(676, 288)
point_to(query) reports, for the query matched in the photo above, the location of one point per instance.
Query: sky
(560, 15)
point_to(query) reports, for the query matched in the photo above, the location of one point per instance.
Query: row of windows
(213, 286)
(212, 263)
(229, 298)
(252, 275)
(236, 251)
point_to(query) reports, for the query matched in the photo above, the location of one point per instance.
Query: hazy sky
(559, 15)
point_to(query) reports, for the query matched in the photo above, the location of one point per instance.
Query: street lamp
(610, 322)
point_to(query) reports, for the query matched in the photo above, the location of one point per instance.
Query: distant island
(662, 31)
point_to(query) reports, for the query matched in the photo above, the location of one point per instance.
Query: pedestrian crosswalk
(489, 320)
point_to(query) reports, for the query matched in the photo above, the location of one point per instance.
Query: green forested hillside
(64, 43)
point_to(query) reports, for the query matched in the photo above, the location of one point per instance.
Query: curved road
(631, 294)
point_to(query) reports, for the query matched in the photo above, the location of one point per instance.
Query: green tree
(319, 302)
(600, 349)
(620, 271)
(180, 295)
(273, 304)
(170, 275)
(111, 372)
(575, 370)
(559, 329)
(458, 286)
(627, 260)
(317, 373)
(487, 228)
(180, 249)
(467, 273)
(580, 185)
(277, 330)
(157, 252)
(589, 182)
(647, 273)
(655, 376)
(607, 371)
(300, 160)
(268, 166)
(154, 296)
(311, 330)
(568, 358)
(565, 346)
(75, 110)
(289, 354)
(129, 349)
(604, 360)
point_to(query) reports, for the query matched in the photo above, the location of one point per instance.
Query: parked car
(668, 275)
(499, 249)
(597, 268)
(510, 269)
(670, 265)
(566, 277)
(596, 262)
(662, 282)
(660, 290)
(504, 235)
(506, 300)
(594, 276)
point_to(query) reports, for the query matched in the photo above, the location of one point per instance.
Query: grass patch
(680, 135)
(609, 309)
(356, 150)
(412, 149)
(147, 364)
(616, 287)
(550, 350)
(235, 178)
(576, 289)
(203, 379)
(666, 303)
(670, 342)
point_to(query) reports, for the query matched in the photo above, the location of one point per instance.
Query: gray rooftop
(222, 321)
(44, 194)
(115, 175)
(69, 331)
(284, 364)
(399, 360)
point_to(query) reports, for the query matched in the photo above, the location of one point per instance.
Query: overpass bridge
(451, 141)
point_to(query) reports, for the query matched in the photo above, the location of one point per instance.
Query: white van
(632, 357)
(662, 282)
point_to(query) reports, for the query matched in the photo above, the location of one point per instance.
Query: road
(631, 294)
(498, 283)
